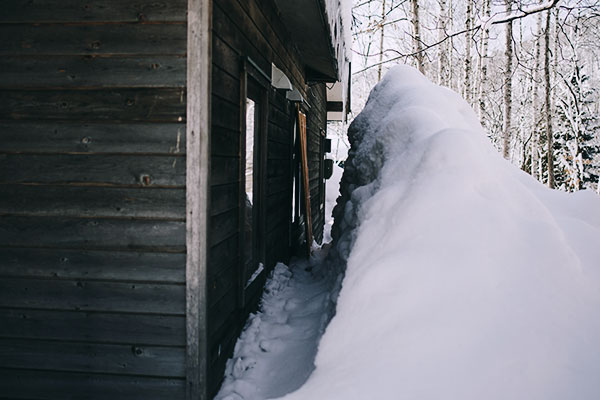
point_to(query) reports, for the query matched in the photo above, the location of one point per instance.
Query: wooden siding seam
(101, 342)
(94, 311)
(104, 373)
(231, 235)
(91, 23)
(98, 280)
(226, 100)
(96, 184)
(94, 216)
(90, 153)
(155, 249)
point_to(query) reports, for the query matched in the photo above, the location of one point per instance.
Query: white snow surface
(274, 354)
(332, 191)
(465, 278)
(339, 18)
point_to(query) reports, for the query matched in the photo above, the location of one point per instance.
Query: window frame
(254, 85)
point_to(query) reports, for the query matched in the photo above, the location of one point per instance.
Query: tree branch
(496, 19)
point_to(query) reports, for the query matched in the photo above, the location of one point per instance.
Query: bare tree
(381, 39)
(467, 76)
(535, 164)
(417, 42)
(508, 55)
(521, 84)
(482, 66)
(548, 110)
(443, 67)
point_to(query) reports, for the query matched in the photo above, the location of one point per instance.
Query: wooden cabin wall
(92, 199)
(316, 132)
(251, 28)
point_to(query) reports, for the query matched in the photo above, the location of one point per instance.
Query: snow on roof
(466, 278)
(339, 14)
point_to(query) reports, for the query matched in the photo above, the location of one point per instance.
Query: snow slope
(465, 278)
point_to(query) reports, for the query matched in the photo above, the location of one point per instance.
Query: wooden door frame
(250, 70)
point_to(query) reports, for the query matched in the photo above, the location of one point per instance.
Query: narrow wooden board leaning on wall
(305, 187)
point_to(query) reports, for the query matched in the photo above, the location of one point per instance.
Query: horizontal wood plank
(225, 142)
(92, 296)
(221, 310)
(87, 71)
(92, 265)
(83, 326)
(221, 255)
(147, 105)
(223, 226)
(277, 184)
(224, 170)
(220, 285)
(106, 358)
(223, 198)
(225, 114)
(270, 34)
(225, 85)
(278, 151)
(93, 39)
(25, 384)
(278, 167)
(90, 234)
(78, 137)
(93, 201)
(136, 170)
(44, 11)
(240, 34)
(225, 57)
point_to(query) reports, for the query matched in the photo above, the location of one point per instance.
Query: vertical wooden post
(241, 281)
(305, 181)
(197, 193)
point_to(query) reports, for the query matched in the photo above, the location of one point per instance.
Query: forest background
(530, 70)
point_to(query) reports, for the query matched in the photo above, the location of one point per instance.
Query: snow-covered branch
(495, 19)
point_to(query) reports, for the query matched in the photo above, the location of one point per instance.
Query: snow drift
(465, 278)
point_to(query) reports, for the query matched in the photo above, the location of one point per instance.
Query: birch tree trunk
(548, 110)
(507, 85)
(467, 76)
(381, 39)
(483, 65)
(535, 103)
(442, 53)
(450, 22)
(417, 44)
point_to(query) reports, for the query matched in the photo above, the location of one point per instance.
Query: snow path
(275, 353)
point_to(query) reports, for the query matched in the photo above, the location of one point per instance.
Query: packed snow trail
(274, 355)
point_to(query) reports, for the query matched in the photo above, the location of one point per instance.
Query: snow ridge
(465, 277)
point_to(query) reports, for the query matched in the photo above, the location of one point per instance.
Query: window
(250, 239)
(253, 104)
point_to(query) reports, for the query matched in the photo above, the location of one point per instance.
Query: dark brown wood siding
(92, 199)
(316, 132)
(252, 28)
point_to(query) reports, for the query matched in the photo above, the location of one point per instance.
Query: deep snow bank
(466, 278)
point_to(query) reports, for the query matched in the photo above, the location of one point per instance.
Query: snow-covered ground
(275, 353)
(465, 278)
